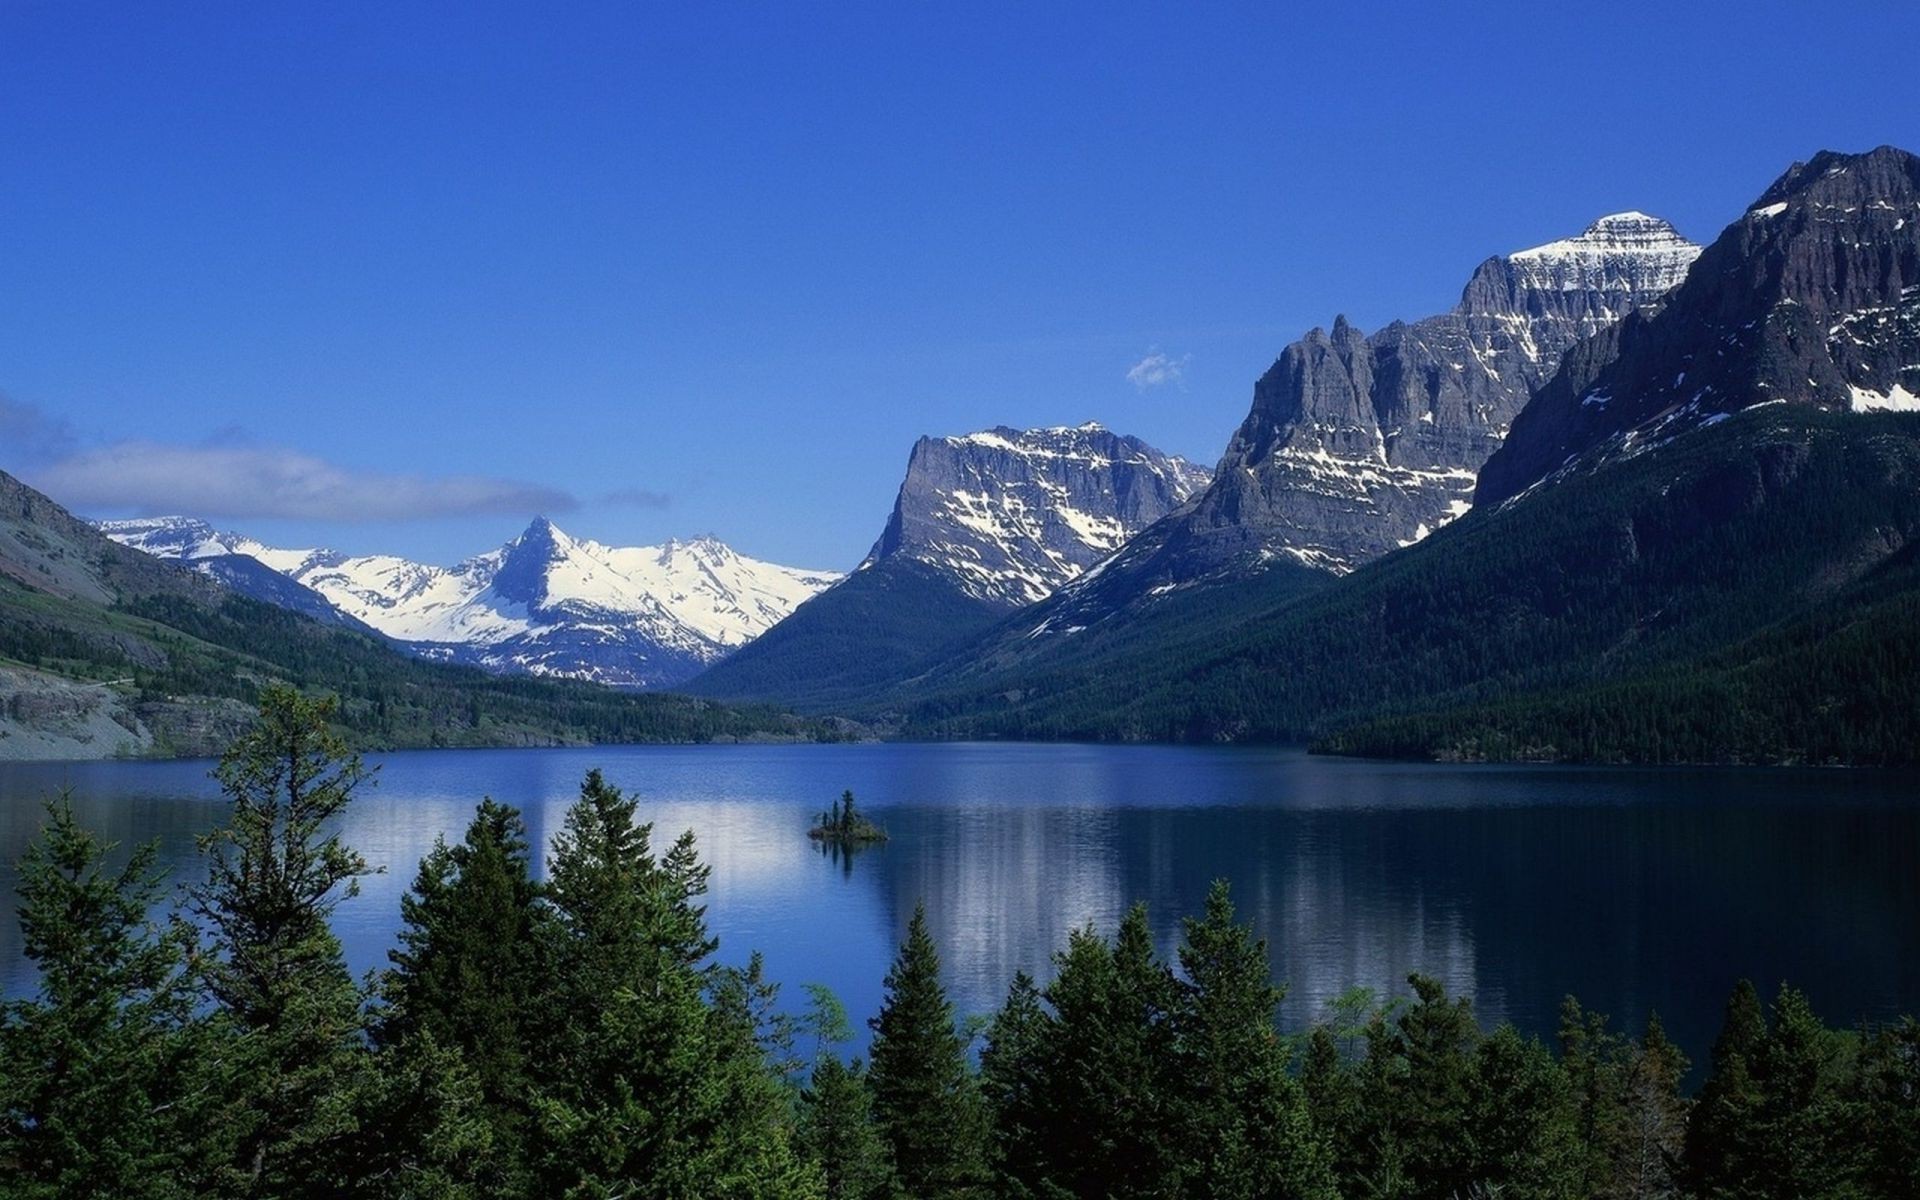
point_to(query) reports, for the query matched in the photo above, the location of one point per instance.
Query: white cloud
(1157, 369)
(235, 481)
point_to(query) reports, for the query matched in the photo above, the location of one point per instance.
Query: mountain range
(1696, 543)
(1628, 500)
(544, 603)
(108, 652)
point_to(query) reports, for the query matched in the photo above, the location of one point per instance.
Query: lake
(1633, 889)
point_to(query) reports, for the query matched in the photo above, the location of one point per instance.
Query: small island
(842, 826)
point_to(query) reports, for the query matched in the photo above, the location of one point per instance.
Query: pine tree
(275, 971)
(1723, 1151)
(1808, 1122)
(838, 1132)
(94, 1095)
(1522, 1128)
(1013, 1087)
(468, 978)
(924, 1098)
(1435, 1041)
(627, 1086)
(1594, 1062)
(1646, 1143)
(1889, 1092)
(1242, 1115)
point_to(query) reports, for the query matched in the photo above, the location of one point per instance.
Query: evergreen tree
(924, 1098)
(1013, 1086)
(1808, 1123)
(628, 1095)
(1243, 1115)
(838, 1132)
(1416, 1096)
(1647, 1141)
(1593, 1060)
(275, 874)
(1723, 1151)
(1333, 1102)
(93, 1090)
(753, 1151)
(1889, 1093)
(468, 977)
(1523, 1125)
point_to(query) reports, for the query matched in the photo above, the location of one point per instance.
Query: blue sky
(392, 276)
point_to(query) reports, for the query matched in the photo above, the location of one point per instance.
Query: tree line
(574, 1036)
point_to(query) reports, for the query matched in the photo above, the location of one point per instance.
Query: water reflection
(1636, 890)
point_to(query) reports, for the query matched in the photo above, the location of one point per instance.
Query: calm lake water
(1632, 889)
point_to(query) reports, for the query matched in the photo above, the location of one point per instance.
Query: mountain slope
(983, 524)
(1642, 577)
(1681, 575)
(544, 603)
(1354, 446)
(108, 651)
(1811, 297)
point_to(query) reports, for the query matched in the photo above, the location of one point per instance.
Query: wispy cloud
(28, 435)
(634, 497)
(1157, 369)
(234, 480)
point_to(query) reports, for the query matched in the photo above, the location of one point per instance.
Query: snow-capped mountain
(1012, 514)
(984, 523)
(1356, 445)
(642, 616)
(1811, 297)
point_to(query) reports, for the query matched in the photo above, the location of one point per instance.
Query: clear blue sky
(410, 271)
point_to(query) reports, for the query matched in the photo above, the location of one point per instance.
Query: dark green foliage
(1730, 597)
(647, 1085)
(296, 1058)
(1243, 1115)
(1889, 1093)
(94, 1094)
(1782, 1111)
(1723, 1153)
(468, 981)
(924, 1096)
(837, 1130)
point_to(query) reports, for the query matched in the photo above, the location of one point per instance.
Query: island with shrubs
(842, 826)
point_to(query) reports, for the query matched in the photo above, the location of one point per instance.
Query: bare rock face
(1357, 445)
(1811, 297)
(1012, 514)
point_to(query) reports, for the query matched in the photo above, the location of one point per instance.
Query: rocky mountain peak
(1812, 296)
(1356, 445)
(1011, 514)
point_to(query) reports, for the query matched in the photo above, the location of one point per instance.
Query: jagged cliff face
(1812, 297)
(1010, 514)
(1357, 445)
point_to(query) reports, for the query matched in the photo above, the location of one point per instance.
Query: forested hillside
(1738, 594)
(104, 650)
